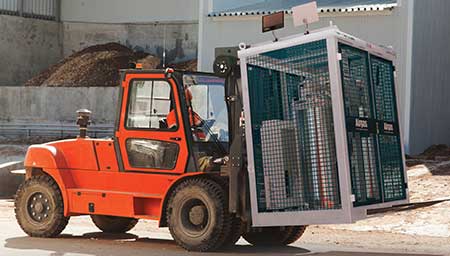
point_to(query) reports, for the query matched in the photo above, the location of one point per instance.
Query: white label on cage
(339, 56)
(388, 127)
(362, 124)
(353, 198)
(305, 14)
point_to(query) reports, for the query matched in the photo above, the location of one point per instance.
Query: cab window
(208, 102)
(150, 102)
(154, 154)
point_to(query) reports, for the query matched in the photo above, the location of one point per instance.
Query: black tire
(274, 236)
(113, 224)
(235, 232)
(197, 215)
(39, 207)
(295, 234)
(236, 228)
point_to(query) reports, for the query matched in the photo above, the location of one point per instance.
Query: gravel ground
(424, 185)
(81, 238)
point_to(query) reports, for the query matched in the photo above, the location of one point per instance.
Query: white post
(408, 73)
(205, 6)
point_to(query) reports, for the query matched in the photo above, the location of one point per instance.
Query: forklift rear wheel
(274, 236)
(197, 215)
(39, 207)
(113, 224)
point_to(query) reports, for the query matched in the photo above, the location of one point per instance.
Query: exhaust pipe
(83, 121)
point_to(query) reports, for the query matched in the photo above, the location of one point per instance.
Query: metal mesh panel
(372, 127)
(355, 80)
(391, 162)
(358, 110)
(392, 168)
(383, 86)
(292, 129)
(366, 183)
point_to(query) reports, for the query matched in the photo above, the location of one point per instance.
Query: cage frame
(348, 213)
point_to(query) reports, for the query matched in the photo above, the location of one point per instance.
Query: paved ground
(424, 231)
(81, 238)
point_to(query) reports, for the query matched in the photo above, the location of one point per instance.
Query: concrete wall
(430, 111)
(178, 39)
(119, 11)
(46, 104)
(386, 28)
(27, 46)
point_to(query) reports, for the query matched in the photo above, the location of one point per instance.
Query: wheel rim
(195, 217)
(39, 207)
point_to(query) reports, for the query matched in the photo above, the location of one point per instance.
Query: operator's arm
(171, 119)
(195, 119)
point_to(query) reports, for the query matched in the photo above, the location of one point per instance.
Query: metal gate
(373, 135)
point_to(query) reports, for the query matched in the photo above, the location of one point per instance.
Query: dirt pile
(439, 152)
(190, 65)
(97, 65)
(436, 152)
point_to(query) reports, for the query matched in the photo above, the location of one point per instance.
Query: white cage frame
(348, 213)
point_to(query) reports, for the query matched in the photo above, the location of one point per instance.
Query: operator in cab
(205, 163)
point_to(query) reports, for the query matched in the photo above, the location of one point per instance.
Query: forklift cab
(146, 141)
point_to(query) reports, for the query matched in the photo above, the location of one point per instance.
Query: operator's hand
(199, 134)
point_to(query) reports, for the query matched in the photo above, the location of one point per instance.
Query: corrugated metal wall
(41, 9)
(430, 86)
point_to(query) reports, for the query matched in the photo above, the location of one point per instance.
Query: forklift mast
(226, 65)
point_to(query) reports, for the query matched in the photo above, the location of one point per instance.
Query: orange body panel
(104, 150)
(130, 194)
(93, 180)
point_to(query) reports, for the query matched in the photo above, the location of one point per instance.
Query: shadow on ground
(103, 244)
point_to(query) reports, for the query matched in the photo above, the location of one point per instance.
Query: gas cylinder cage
(322, 129)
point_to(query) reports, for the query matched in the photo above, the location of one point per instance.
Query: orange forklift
(160, 165)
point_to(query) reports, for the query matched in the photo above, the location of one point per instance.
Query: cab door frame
(178, 136)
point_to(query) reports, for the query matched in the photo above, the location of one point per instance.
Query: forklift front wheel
(197, 215)
(39, 207)
(274, 236)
